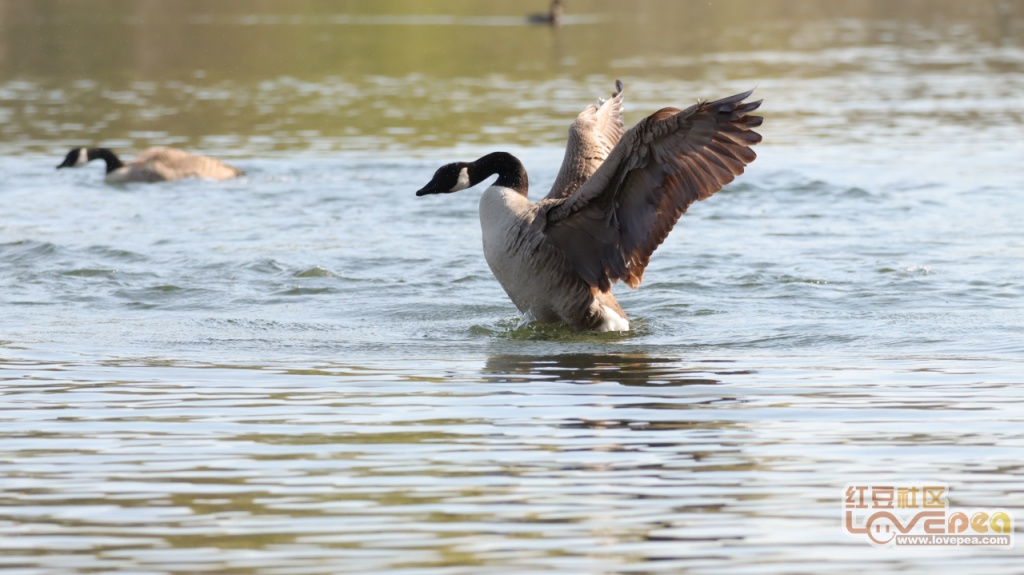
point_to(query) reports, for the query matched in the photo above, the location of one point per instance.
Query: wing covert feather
(611, 225)
(592, 136)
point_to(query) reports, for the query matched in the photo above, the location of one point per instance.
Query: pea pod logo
(909, 514)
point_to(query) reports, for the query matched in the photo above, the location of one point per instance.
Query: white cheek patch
(463, 181)
(83, 157)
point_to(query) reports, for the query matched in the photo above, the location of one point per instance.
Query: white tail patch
(612, 321)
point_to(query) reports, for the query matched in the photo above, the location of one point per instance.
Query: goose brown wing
(154, 164)
(592, 136)
(613, 223)
(172, 164)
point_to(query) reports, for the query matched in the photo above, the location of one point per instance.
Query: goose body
(617, 196)
(536, 275)
(152, 165)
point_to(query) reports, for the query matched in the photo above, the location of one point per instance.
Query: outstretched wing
(591, 138)
(610, 227)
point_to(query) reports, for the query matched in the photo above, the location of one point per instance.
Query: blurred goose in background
(616, 197)
(552, 17)
(152, 165)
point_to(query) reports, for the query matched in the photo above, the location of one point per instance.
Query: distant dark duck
(552, 17)
(152, 165)
(617, 196)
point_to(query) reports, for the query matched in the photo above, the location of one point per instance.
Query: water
(310, 370)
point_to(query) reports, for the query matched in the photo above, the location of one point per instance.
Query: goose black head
(77, 157)
(447, 179)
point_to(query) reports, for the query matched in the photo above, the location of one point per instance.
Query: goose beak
(430, 188)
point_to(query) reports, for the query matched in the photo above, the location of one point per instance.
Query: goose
(152, 165)
(615, 199)
(552, 17)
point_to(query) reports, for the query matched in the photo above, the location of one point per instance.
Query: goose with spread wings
(616, 197)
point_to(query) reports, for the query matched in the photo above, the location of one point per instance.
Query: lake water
(310, 370)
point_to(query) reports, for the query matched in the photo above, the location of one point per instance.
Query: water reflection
(636, 370)
(239, 38)
(360, 75)
(350, 468)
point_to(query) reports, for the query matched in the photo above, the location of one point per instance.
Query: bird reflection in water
(586, 368)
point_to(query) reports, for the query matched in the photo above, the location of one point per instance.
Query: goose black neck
(108, 156)
(511, 173)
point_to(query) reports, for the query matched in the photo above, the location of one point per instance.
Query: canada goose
(616, 198)
(152, 165)
(552, 17)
